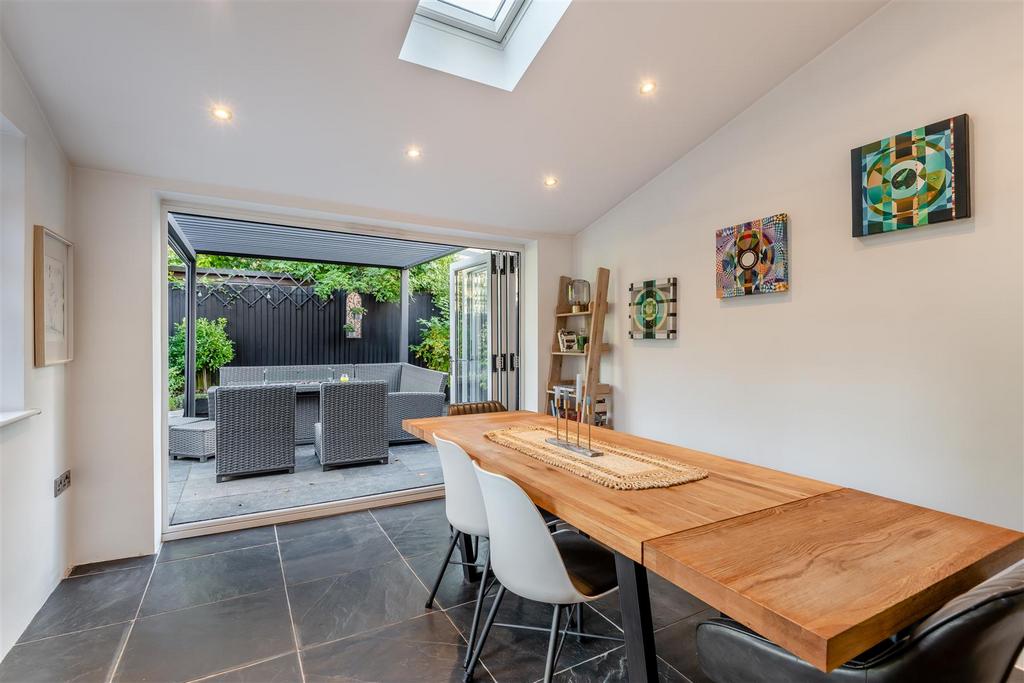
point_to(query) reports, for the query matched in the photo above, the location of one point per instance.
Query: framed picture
(52, 279)
(916, 178)
(652, 309)
(752, 257)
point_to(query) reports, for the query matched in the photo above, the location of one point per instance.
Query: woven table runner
(618, 468)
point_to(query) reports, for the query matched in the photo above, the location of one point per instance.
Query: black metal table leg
(637, 624)
(469, 571)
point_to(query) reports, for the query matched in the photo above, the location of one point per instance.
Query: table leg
(470, 572)
(637, 624)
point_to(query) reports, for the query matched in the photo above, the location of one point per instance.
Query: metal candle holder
(582, 412)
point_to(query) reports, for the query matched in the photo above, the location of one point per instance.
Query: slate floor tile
(611, 667)
(423, 649)
(341, 606)
(89, 601)
(315, 556)
(85, 656)
(215, 543)
(209, 578)
(287, 532)
(518, 655)
(283, 669)
(416, 528)
(209, 639)
(454, 589)
(669, 603)
(113, 565)
(677, 645)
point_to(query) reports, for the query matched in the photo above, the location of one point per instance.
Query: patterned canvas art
(916, 178)
(752, 258)
(652, 309)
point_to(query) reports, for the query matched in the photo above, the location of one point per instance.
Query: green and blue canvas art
(652, 309)
(916, 178)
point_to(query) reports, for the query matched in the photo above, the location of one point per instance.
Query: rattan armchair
(255, 430)
(353, 426)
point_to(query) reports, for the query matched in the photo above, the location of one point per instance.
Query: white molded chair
(464, 507)
(564, 569)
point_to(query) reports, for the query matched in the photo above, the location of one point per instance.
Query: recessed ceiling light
(414, 152)
(221, 113)
(648, 87)
(550, 181)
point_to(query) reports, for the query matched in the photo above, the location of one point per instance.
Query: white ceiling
(324, 108)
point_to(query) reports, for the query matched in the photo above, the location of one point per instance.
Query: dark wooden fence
(308, 334)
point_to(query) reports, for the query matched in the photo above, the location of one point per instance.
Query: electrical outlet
(62, 483)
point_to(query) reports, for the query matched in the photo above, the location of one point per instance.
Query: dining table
(824, 570)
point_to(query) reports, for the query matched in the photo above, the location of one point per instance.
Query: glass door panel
(470, 330)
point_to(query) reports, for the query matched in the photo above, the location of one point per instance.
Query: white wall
(33, 525)
(115, 381)
(544, 261)
(894, 364)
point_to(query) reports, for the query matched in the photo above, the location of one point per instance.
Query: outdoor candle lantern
(579, 295)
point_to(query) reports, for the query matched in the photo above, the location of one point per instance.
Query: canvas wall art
(916, 178)
(52, 297)
(652, 309)
(752, 258)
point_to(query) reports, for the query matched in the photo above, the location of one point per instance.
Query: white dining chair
(564, 569)
(464, 507)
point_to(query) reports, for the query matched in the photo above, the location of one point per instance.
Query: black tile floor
(333, 599)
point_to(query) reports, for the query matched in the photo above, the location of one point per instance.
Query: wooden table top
(829, 576)
(623, 520)
(824, 571)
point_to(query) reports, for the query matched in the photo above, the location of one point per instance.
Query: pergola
(190, 235)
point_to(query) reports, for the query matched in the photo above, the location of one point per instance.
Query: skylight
(488, 9)
(488, 41)
(488, 19)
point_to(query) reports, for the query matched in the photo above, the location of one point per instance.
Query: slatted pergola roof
(231, 237)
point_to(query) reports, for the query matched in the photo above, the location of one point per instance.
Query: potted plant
(214, 349)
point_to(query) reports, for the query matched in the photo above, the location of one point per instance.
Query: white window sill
(9, 417)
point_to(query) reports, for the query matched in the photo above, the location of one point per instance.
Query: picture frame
(912, 179)
(753, 257)
(53, 297)
(652, 309)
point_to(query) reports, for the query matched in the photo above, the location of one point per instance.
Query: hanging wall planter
(354, 312)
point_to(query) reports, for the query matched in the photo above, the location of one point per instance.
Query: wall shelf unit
(564, 368)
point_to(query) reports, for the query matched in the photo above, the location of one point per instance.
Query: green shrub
(434, 350)
(214, 349)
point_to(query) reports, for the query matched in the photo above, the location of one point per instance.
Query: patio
(193, 493)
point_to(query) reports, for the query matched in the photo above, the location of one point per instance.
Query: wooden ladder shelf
(592, 321)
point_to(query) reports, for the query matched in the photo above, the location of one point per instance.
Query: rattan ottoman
(193, 440)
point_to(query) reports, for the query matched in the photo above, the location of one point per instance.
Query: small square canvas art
(652, 309)
(752, 258)
(916, 178)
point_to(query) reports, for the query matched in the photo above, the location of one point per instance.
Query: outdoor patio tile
(209, 639)
(416, 528)
(283, 669)
(677, 645)
(669, 603)
(423, 649)
(113, 565)
(611, 667)
(330, 553)
(287, 532)
(178, 470)
(89, 601)
(229, 506)
(341, 606)
(215, 543)
(209, 578)
(419, 458)
(518, 655)
(85, 656)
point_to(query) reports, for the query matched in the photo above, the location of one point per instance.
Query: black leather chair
(975, 638)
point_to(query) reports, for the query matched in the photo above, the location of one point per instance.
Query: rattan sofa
(412, 391)
(353, 426)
